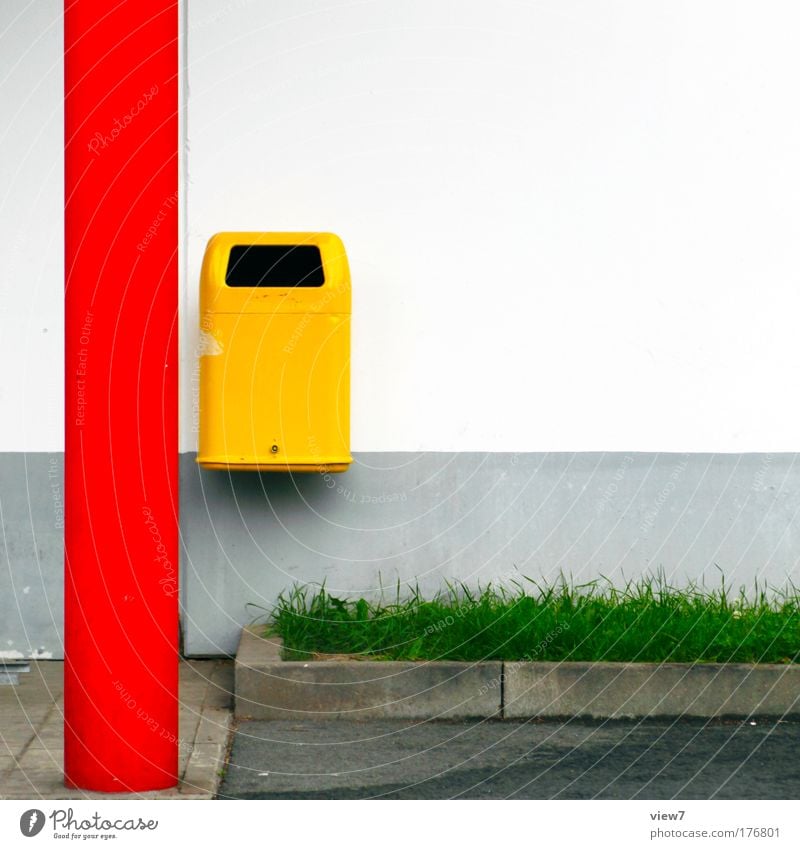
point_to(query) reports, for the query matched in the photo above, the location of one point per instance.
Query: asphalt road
(519, 760)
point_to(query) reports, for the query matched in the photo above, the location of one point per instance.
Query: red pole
(121, 532)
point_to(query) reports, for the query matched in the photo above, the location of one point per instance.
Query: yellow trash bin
(275, 353)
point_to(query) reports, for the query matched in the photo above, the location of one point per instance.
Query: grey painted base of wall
(424, 518)
(419, 519)
(31, 555)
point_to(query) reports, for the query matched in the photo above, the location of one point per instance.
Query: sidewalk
(32, 740)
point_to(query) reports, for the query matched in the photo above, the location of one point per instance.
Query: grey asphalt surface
(395, 759)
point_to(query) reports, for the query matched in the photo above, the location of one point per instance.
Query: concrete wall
(31, 229)
(419, 518)
(480, 517)
(32, 341)
(31, 554)
(571, 227)
(571, 224)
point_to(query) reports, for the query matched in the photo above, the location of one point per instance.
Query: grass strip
(645, 621)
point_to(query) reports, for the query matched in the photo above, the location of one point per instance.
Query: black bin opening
(274, 266)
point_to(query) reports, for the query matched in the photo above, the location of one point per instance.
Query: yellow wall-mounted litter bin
(275, 353)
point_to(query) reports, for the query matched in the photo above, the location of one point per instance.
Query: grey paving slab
(7, 763)
(393, 759)
(31, 730)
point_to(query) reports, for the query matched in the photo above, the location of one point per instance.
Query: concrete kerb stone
(635, 690)
(208, 751)
(270, 688)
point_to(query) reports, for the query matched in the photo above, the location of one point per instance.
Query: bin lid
(258, 272)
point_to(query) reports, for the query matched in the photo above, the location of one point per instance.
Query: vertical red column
(121, 537)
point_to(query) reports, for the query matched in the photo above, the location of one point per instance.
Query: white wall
(31, 228)
(572, 225)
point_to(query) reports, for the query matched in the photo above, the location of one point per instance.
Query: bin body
(275, 353)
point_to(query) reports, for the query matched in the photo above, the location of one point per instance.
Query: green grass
(647, 621)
